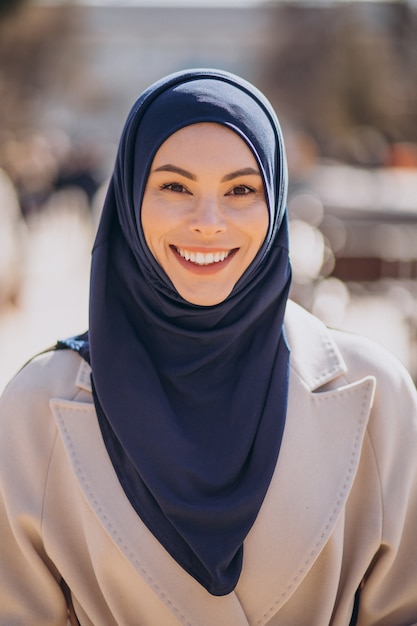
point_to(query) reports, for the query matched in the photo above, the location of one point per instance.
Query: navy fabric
(191, 400)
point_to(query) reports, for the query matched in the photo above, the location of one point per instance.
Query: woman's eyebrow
(245, 171)
(177, 170)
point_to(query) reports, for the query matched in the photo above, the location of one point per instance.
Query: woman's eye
(176, 187)
(240, 190)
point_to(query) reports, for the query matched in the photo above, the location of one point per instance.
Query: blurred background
(343, 79)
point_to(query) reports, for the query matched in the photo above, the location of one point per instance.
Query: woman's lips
(203, 262)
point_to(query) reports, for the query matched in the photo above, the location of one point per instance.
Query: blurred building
(121, 50)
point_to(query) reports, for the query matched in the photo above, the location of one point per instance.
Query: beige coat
(341, 508)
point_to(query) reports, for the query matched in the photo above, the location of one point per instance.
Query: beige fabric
(342, 505)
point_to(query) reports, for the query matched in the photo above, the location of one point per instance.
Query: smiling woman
(208, 453)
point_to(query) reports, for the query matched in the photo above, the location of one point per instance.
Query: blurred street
(349, 121)
(53, 300)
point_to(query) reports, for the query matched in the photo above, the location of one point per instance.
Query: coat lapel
(190, 603)
(316, 467)
(317, 464)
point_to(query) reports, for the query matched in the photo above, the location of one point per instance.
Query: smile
(203, 258)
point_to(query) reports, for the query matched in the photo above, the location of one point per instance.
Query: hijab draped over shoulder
(191, 399)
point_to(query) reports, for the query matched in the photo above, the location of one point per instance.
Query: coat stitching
(336, 509)
(108, 524)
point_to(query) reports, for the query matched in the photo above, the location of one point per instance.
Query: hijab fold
(191, 400)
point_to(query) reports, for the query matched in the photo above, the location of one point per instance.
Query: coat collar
(315, 356)
(326, 422)
(315, 471)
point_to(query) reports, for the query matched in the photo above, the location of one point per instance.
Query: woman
(196, 458)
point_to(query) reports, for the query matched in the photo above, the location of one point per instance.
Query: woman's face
(204, 213)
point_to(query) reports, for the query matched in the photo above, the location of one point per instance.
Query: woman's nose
(207, 219)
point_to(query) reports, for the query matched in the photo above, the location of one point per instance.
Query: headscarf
(191, 400)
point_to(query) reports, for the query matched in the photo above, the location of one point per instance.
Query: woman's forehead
(192, 136)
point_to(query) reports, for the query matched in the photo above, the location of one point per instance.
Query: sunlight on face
(204, 213)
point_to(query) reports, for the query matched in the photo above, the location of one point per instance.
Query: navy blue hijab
(191, 399)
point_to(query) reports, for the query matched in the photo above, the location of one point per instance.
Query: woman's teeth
(201, 258)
